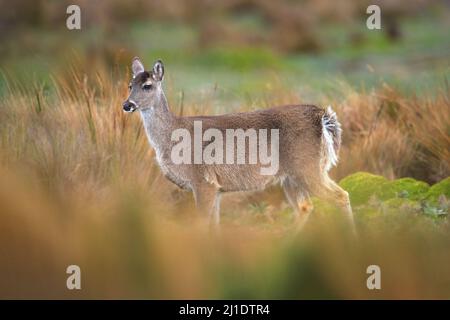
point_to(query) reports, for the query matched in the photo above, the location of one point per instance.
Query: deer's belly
(178, 179)
(229, 178)
(226, 178)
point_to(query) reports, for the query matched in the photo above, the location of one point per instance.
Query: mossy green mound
(363, 186)
(405, 188)
(437, 190)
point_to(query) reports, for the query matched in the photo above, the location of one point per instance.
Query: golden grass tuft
(394, 135)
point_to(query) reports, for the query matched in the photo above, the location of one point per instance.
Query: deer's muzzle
(129, 106)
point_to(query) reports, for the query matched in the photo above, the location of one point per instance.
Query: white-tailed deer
(307, 145)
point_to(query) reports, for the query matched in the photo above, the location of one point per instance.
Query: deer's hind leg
(298, 199)
(329, 190)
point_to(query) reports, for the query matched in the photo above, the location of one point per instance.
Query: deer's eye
(129, 86)
(147, 86)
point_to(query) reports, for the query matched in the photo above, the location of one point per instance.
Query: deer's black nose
(129, 106)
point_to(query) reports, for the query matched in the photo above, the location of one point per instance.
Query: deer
(308, 147)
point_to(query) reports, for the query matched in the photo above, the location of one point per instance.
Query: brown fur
(302, 152)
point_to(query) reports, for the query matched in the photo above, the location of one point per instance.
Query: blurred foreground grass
(130, 245)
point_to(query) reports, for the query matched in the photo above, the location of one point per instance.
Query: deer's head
(145, 87)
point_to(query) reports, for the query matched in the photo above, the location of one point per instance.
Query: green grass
(416, 63)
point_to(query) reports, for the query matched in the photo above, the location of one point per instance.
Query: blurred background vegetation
(79, 185)
(234, 46)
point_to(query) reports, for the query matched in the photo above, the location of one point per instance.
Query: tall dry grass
(79, 185)
(394, 135)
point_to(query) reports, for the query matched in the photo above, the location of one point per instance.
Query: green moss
(405, 188)
(362, 186)
(402, 196)
(438, 189)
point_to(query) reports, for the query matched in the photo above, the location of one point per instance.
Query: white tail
(331, 130)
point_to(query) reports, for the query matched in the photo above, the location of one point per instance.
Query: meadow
(79, 183)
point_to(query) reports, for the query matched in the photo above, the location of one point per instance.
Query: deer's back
(282, 117)
(300, 132)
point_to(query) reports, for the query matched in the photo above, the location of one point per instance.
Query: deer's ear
(158, 71)
(137, 66)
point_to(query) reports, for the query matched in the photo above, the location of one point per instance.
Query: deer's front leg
(207, 202)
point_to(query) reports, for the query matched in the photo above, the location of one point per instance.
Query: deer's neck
(158, 121)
